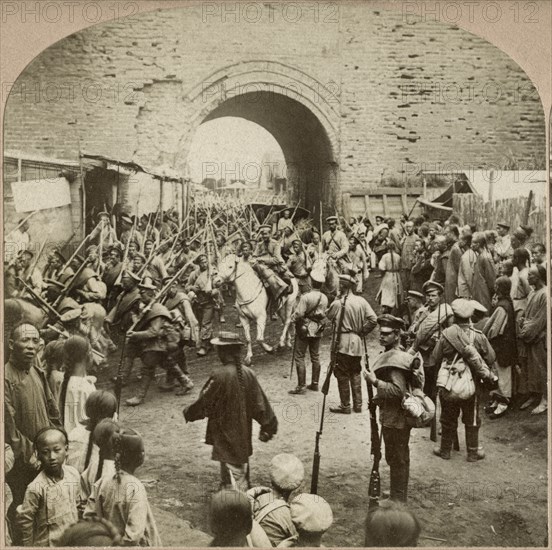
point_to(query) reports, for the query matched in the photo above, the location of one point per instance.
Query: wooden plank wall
(473, 209)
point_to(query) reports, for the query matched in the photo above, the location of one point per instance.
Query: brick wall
(392, 97)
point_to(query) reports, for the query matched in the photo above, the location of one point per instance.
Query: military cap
(199, 258)
(462, 308)
(478, 307)
(503, 224)
(226, 338)
(141, 256)
(102, 213)
(311, 513)
(432, 285)
(317, 275)
(347, 279)
(332, 219)
(131, 275)
(286, 471)
(71, 315)
(415, 294)
(126, 219)
(265, 226)
(390, 321)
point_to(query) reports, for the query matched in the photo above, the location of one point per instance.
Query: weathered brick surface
(379, 95)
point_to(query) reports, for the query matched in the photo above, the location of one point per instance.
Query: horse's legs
(247, 331)
(261, 324)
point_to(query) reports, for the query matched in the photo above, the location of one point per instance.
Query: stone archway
(293, 107)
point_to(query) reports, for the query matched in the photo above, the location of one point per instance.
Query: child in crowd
(103, 464)
(53, 359)
(77, 386)
(82, 450)
(391, 525)
(312, 517)
(91, 532)
(51, 500)
(122, 498)
(270, 506)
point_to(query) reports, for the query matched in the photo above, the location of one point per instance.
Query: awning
(436, 205)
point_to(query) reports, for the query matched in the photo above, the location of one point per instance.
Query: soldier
(297, 264)
(268, 253)
(103, 233)
(335, 242)
(407, 253)
(417, 312)
(52, 270)
(503, 246)
(126, 225)
(121, 317)
(231, 399)
(308, 317)
(148, 339)
(428, 332)
(359, 320)
(180, 308)
(389, 374)
(451, 345)
(28, 273)
(201, 284)
(156, 266)
(114, 265)
(88, 287)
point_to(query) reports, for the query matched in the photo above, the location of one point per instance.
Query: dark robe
(451, 273)
(230, 424)
(484, 276)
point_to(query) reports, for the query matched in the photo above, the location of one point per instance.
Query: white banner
(40, 194)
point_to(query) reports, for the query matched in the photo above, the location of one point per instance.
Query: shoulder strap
(268, 508)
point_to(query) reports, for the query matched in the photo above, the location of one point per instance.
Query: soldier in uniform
(308, 317)
(88, 287)
(268, 255)
(180, 308)
(204, 306)
(335, 242)
(113, 268)
(148, 338)
(52, 270)
(359, 320)
(297, 264)
(428, 331)
(121, 317)
(390, 374)
(156, 266)
(451, 345)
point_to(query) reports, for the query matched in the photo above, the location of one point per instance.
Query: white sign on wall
(40, 194)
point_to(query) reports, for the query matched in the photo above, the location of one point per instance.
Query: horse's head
(227, 268)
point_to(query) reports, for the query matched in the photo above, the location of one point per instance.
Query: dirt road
(500, 501)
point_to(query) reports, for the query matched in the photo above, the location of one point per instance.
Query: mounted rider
(269, 264)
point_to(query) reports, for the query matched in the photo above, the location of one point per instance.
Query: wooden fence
(473, 209)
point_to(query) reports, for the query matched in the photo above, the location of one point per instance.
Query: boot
(344, 396)
(475, 453)
(446, 445)
(398, 477)
(299, 390)
(169, 383)
(184, 380)
(203, 350)
(315, 376)
(139, 399)
(356, 387)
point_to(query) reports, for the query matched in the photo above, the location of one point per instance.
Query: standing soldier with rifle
(359, 320)
(390, 375)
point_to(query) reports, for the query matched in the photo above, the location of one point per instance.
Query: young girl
(82, 451)
(103, 463)
(51, 500)
(53, 357)
(122, 498)
(77, 386)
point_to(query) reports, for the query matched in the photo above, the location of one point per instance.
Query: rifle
(325, 389)
(374, 488)
(156, 298)
(41, 302)
(70, 284)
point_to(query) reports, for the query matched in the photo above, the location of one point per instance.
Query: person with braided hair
(76, 385)
(122, 498)
(231, 399)
(99, 405)
(103, 462)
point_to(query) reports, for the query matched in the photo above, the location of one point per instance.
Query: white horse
(252, 300)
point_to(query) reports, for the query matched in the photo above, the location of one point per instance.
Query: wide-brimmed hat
(71, 315)
(147, 284)
(227, 338)
(317, 275)
(126, 219)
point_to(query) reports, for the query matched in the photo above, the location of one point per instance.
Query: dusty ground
(500, 501)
